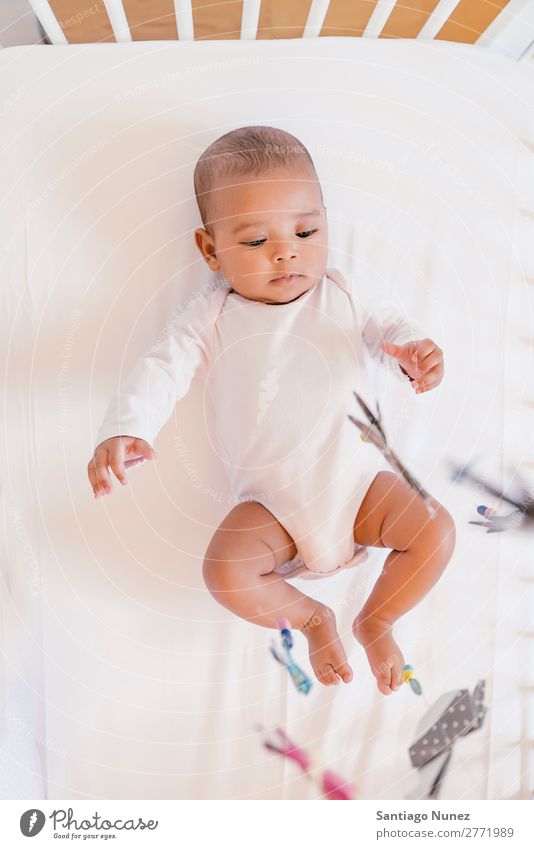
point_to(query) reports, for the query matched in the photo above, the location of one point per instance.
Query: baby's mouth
(285, 278)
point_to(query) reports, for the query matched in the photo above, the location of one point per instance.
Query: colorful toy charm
(331, 785)
(408, 676)
(487, 512)
(300, 679)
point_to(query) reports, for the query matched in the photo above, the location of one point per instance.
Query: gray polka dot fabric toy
(454, 715)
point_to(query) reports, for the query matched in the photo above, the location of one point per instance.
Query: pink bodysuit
(279, 381)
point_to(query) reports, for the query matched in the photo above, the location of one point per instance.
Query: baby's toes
(326, 674)
(338, 659)
(344, 671)
(396, 674)
(382, 674)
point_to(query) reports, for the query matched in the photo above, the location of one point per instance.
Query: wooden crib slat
(347, 17)
(407, 20)
(149, 20)
(469, 20)
(280, 19)
(82, 21)
(217, 18)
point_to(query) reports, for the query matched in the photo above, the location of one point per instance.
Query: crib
(115, 658)
(504, 25)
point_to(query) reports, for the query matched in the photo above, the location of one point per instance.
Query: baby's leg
(238, 571)
(393, 516)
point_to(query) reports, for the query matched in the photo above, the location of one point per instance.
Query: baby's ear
(200, 238)
(206, 246)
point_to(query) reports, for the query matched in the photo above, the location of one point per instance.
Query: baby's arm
(148, 394)
(382, 324)
(396, 343)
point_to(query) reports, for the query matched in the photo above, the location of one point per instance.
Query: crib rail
(506, 25)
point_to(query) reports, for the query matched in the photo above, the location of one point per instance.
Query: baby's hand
(119, 453)
(422, 361)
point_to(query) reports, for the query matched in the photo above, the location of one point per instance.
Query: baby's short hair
(245, 150)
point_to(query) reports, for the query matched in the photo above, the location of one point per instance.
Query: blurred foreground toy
(453, 715)
(330, 784)
(522, 517)
(408, 676)
(374, 433)
(496, 522)
(300, 679)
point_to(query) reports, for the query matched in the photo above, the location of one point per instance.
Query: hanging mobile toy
(375, 433)
(454, 715)
(332, 785)
(408, 677)
(300, 679)
(520, 518)
(494, 521)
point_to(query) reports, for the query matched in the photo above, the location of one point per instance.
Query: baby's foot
(327, 655)
(384, 656)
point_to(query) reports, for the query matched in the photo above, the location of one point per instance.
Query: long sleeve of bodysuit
(148, 394)
(383, 323)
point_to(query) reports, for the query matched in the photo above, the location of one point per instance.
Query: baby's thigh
(393, 515)
(250, 535)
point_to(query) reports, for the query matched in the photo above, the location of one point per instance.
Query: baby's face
(264, 228)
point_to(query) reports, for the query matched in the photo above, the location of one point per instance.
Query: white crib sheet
(121, 676)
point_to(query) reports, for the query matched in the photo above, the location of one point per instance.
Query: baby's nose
(284, 252)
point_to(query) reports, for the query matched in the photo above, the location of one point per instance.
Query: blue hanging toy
(300, 679)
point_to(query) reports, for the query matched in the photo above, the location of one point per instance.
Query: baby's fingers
(117, 464)
(434, 359)
(431, 379)
(98, 473)
(129, 463)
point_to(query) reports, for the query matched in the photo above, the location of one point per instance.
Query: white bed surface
(122, 677)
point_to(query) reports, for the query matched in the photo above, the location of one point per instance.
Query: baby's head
(263, 213)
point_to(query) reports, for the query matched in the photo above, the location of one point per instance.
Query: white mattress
(121, 676)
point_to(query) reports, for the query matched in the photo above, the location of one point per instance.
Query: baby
(281, 342)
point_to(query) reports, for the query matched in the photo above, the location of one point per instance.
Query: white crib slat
(378, 19)
(512, 31)
(439, 16)
(315, 20)
(118, 20)
(250, 19)
(184, 20)
(48, 21)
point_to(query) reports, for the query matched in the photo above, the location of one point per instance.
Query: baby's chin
(284, 291)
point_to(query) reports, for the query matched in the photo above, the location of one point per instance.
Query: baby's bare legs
(393, 516)
(238, 571)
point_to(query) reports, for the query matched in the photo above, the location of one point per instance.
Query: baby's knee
(234, 558)
(219, 564)
(440, 533)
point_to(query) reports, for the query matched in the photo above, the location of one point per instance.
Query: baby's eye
(253, 244)
(303, 235)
